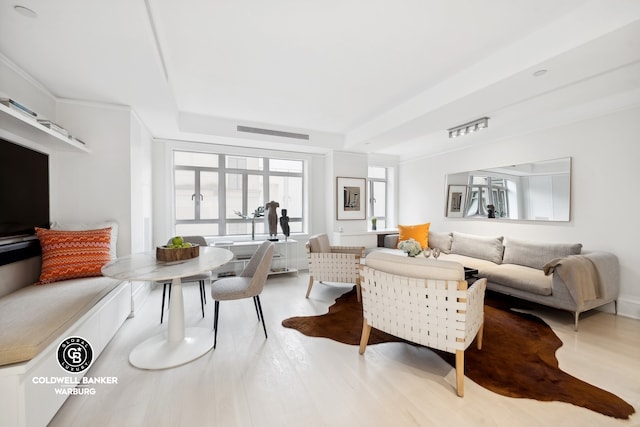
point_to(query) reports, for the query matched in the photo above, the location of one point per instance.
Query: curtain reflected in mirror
(537, 191)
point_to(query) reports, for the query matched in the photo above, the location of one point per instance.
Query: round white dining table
(178, 345)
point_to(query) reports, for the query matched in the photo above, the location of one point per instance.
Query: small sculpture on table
(272, 217)
(258, 213)
(284, 223)
(491, 211)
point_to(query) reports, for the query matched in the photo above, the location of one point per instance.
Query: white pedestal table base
(158, 352)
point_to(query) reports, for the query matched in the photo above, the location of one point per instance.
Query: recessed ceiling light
(25, 11)
(539, 73)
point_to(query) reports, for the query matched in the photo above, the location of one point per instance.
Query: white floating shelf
(25, 127)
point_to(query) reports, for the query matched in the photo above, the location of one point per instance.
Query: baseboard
(629, 307)
(139, 293)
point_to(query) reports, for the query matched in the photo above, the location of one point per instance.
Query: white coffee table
(179, 345)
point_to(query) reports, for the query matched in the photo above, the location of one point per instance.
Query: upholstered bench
(35, 316)
(72, 299)
(33, 321)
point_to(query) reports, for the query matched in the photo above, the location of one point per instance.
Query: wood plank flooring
(293, 380)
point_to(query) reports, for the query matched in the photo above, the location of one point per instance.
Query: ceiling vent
(272, 132)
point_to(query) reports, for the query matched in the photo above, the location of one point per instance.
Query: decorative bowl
(176, 254)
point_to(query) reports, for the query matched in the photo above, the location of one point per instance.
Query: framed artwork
(456, 200)
(350, 198)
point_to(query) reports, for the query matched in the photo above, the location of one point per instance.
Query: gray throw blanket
(579, 274)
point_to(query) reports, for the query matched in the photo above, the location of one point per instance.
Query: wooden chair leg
(358, 291)
(364, 338)
(460, 372)
(310, 286)
(480, 336)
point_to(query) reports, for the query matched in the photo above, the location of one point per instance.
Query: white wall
(347, 165)
(141, 183)
(604, 206)
(95, 186)
(16, 84)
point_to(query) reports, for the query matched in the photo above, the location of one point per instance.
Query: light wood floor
(294, 380)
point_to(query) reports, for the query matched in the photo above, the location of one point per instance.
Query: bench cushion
(34, 316)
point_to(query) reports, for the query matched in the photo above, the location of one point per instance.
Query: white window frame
(222, 171)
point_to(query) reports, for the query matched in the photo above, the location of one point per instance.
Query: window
(486, 190)
(377, 187)
(217, 194)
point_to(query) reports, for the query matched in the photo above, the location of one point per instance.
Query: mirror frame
(499, 184)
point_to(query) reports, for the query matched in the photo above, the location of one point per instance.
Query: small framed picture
(351, 199)
(456, 201)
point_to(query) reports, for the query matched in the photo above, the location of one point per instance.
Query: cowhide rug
(517, 357)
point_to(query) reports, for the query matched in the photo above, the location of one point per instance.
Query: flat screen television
(24, 190)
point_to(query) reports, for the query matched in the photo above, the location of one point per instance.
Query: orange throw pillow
(419, 233)
(73, 254)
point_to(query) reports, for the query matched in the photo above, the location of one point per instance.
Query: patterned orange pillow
(72, 254)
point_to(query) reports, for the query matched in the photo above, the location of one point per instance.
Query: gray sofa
(576, 280)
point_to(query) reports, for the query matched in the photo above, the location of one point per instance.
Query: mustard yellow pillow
(419, 233)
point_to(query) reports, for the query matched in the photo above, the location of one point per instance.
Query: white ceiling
(379, 76)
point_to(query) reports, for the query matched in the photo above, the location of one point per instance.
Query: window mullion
(222, 195)
(197, 193)
(245, 193)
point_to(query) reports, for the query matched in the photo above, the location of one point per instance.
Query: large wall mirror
(538, 191)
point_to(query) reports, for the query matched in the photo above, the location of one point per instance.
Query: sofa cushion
(441, 240)
(73, 254)
(482, 265)
(34, 316)
(320, 243)
(419, 266)
(520, 277)
(77, 226)
(419, 233)
(536, 255)
(488, 248)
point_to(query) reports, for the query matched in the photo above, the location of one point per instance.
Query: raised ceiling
(386, 77)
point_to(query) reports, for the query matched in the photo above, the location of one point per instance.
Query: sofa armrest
(391, 241)
(609, 271)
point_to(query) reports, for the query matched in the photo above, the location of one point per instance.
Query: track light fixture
(470, 127)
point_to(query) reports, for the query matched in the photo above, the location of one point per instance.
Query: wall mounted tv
(24, 190)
